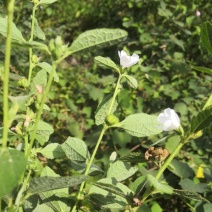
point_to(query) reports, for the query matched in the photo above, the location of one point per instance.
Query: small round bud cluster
(23, 82)
(56, 47)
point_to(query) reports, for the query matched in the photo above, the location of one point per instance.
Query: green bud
(39, 97)
(23, 82)
(51, 45)
(18, 128)
(29, 101)
(35, 59)
(111, 120)
(37, 105)
(35, 1)
(58, 41)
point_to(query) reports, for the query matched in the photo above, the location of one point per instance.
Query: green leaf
(32, 44)
(156, 207)
(47, 1)
(76, 149)
(202, 120)
(178, 42)
(97, 38)
(52, 151)
(133, 157)
(206, 36)
(181, 169)
(121, 170)
(38, 31)
(41, 184)
(138, 184)
(189, 195)
(107, 199)
(202, 69)
(52, 198)
(161, 187)
(81, 167)
(106, 62)
(110, 188)
(172, 143)
(189, 185)
(48, 68)
(44, 208)
(131, 81)
(16, 33)
(103, 108)
(140, 125)
(12, 166)
(39, 79)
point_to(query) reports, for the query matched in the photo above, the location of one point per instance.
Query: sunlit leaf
(16, 34)
(106, 62)
(161, 187)
(121, 170)
(103, 108)
(97, 38)
(202, 69)
(47, 1)
(75, 149)
(131, 81)
(38, 32)
(140, 125)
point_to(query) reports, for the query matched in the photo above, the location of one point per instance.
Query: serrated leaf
(202, 120)
(140, 125)
(53, 151)
(48, 68)
(38, 32)
(121, 170)
(106, 62)
(161, 187)
(107, 199)
(103, 108)
(206, 36)
(110, 188)
(97, 38)
(51, 198)
(202, 69)
(47, 1)
(44, 131)
(42, 184)
(12, 166)
(133, 157)
(189, 195)
(131, 81)
(76, 149)
(16, 34)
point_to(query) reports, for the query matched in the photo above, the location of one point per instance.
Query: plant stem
(165, 165)
(88, 166)
(31, 39)
(115, 94)
(10, 9)
(38, 116)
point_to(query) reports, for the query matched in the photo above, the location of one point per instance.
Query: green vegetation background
(164, 33)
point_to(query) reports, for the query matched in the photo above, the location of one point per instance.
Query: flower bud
(35, 58)
(111, 120)
(23, 82)
(18, 128)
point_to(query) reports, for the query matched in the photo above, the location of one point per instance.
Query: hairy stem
(10, 9)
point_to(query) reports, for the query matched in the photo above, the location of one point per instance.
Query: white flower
(127, 61)
(198, 13)
(169, 120)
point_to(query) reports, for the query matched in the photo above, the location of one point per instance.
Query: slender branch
(10, 9)
(31, 39)
(88, 167)
(38, 116)
(115, 94)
